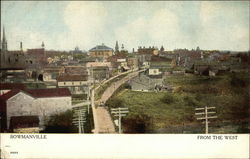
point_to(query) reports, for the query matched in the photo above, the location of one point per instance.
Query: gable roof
(9, 94)
(101, 48)
(68, 77)
(38, 93)
(9, 86)
(51, 92)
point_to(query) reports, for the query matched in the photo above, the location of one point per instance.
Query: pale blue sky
(63, 25)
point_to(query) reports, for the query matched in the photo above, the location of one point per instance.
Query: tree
(136, 124)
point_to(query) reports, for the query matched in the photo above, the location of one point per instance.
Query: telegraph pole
(205, 111)
(79, 118)
(89, 96)
(119, 112)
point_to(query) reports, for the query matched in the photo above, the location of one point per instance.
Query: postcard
(125, 79)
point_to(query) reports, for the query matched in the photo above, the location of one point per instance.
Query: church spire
(116, 47)
(4, 38)
(4, 41)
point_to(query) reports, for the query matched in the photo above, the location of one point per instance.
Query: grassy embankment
(162, 112)
(100, 90)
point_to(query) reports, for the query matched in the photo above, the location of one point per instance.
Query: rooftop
(38, 93)
(51, 92)
(160, 59)
(98, 64)
(9, 86)
(39, 51)
(101, 48)
(68, 77)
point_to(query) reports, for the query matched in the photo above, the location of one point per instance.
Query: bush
(136, 124)
(115, 102)
(127, 86)
(60, 123)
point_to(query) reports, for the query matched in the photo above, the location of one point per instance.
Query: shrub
(136, 124)
(60, 123)
(115, 103)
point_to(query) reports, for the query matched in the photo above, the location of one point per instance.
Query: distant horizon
(64, 25)
(86, 51)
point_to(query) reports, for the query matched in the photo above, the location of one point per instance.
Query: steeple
(4, 41)
(4, 38)
(116, 47)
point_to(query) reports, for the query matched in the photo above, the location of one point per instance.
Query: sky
(63, 25)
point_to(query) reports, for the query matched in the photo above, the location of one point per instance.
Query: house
(146, 82)
(117, 59)
(186, 57)
(154, 71)
(168, 54)
(76, 70)
(161, 63)
(143, 58)
(36, 57)
(132, 62)
(151, 50)
(77, 84)
(99, 70)
(33, 102)
(50, 74)
(101, 51)
(210, 68)
(15, 58)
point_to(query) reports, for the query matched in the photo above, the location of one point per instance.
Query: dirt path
(104, 123)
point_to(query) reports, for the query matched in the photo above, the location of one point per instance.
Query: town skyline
(171, 24)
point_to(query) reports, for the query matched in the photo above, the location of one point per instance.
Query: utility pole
(0, 124)
(79, 118)
(89, 96)
(205, 111)
(119, 112)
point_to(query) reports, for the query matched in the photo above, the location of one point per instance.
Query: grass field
(163, 112)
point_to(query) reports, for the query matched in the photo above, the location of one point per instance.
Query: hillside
(163, 112)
